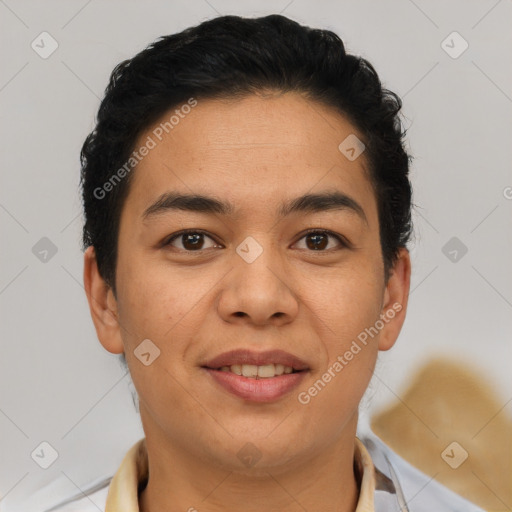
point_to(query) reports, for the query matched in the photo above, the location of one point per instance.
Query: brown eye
(190, 241)
(319, 240)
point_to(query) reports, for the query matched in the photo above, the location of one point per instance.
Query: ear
(396, 296)
(102, 304)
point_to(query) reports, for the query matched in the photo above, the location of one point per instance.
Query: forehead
(255, 150)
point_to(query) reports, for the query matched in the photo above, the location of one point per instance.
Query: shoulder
(414, 489)
(85, 501)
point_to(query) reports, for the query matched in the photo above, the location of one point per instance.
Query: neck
(180, 482)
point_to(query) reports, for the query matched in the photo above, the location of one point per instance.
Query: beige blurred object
(452, 426)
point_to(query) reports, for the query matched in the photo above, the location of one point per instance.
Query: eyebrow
(308, 203)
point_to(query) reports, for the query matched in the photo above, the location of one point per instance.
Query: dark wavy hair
(232, 56)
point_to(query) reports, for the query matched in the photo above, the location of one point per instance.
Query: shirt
(388, 483)
(133, 474)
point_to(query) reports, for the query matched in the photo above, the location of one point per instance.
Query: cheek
(166, 401)
(150, 301)
(153, 305)
(349, 304)
(352, 307)
(349, 310)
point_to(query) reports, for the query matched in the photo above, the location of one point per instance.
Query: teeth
(249, 370)
(236, 368)
(261, 372)
(267, 370)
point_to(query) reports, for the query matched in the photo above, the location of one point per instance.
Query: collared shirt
(388, 483)
(132, 475)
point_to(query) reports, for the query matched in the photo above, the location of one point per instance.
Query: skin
(255, 152)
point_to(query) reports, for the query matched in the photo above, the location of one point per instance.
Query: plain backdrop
(58, 385)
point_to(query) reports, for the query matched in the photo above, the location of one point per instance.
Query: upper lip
(245, 356)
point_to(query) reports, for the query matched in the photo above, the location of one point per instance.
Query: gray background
(59, 385)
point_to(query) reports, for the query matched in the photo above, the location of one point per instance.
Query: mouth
(257, 377)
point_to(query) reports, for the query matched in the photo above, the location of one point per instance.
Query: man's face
(251, 280)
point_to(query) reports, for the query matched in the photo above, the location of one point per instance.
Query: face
(261, 282)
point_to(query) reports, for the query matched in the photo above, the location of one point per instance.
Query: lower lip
(257, 390)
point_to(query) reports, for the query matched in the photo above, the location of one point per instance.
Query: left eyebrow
(312, 203)
(308, 203)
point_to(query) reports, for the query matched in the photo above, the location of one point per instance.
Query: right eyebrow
(188, 202)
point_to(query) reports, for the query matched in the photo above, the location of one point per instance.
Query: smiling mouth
(257, 383)
(252, 371)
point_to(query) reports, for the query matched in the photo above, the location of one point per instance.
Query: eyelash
(343, 242)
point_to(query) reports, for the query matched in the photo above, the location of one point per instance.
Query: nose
(258, 292)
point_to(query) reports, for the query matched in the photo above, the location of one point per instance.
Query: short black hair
(230, 57)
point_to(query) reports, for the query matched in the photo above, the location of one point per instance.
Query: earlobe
(102, 305)
(396, 296)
